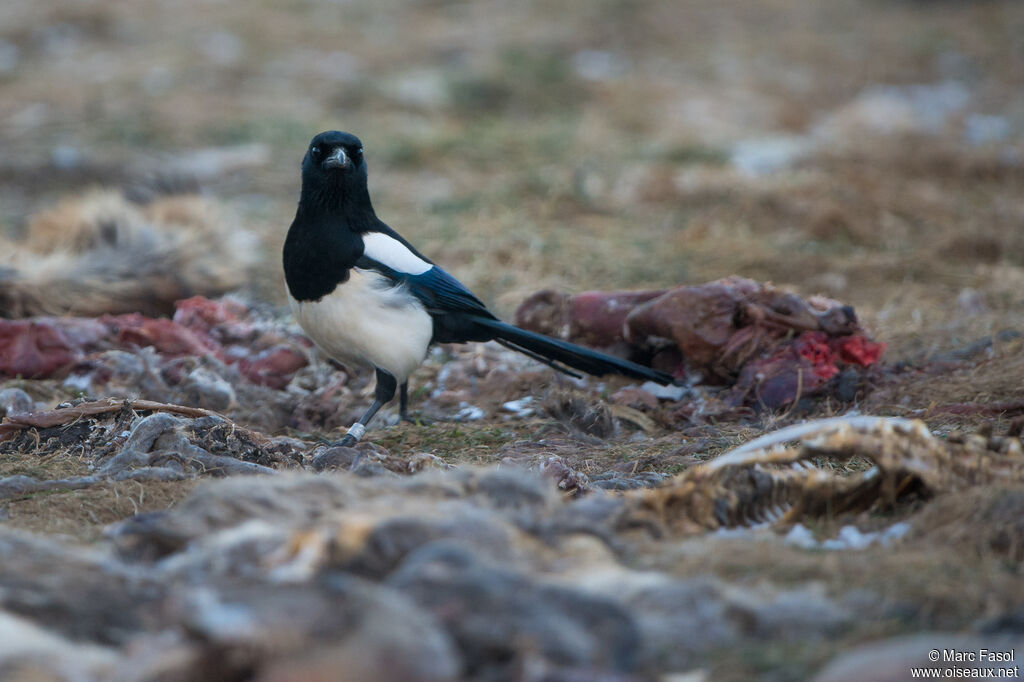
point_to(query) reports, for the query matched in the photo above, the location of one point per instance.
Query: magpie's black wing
(439, 292)
(459, 316)
(453, 308)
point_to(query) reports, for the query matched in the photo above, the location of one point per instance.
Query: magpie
(365, 296)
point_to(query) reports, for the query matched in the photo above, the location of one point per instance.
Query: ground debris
(30, 652)
(97, 350)
(772, 346)
(222, 355)
(82, 256)
(765, 481)
(892, 659)
(459, 574)
(873, 152)
(16, 486)
(367, 459)
(463, 572)
(17, 421)
(138, 440)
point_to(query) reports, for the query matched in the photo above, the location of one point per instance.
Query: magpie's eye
(315, 153)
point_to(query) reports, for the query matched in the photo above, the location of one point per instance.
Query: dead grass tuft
(83, 514)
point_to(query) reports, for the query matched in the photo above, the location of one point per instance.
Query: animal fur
(101, 253)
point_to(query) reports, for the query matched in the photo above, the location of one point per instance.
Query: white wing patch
(393, 253)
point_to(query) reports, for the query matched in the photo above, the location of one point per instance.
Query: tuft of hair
(580, 413)
(101, 253)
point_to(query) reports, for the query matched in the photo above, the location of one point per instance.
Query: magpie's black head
(333, 169)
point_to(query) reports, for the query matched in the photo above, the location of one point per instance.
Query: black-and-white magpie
(364, 295)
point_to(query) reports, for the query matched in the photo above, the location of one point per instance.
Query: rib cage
(767, 481)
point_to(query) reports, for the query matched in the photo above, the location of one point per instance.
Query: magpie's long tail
(556, 353)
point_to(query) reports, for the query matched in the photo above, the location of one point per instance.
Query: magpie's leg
(403, 402)
(385, 391)
(403, 407)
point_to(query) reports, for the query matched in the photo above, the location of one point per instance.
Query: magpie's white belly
(367, 321)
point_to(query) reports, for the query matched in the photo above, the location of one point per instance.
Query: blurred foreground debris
(464, 573)
(772, 346)
(468, 574)
(103, 253)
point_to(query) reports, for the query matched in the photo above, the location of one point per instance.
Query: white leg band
(356, 431)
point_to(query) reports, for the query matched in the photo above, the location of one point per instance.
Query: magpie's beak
(337, 159)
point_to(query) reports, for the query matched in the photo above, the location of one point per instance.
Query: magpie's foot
(346, 442)
(417, 419)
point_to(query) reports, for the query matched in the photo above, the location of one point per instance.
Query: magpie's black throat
(334, 208)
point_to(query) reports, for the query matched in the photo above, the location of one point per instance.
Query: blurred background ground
(870, 150)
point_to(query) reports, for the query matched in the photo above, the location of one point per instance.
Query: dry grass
(83, 514)
(490, 149)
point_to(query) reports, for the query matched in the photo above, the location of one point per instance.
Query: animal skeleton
(767, 480)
